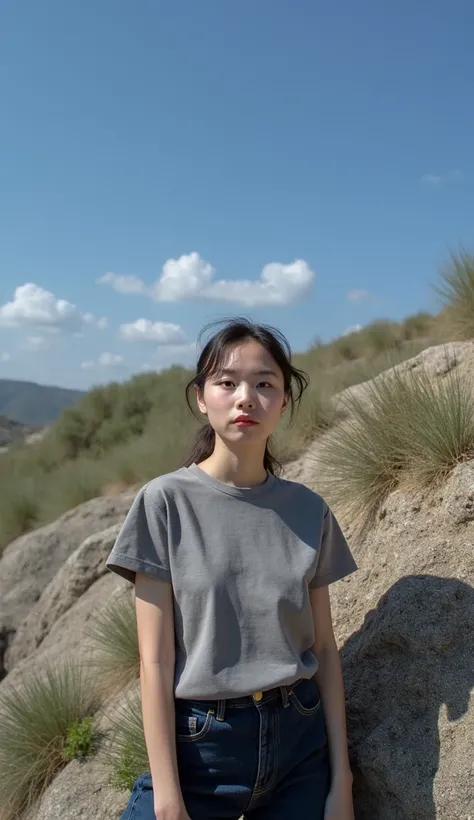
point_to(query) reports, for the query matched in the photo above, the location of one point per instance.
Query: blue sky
(154, 155)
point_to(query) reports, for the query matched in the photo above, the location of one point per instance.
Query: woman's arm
(330, 684)
(155, 623)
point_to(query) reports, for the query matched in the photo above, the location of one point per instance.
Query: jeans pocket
(193, 722)
(305, 697)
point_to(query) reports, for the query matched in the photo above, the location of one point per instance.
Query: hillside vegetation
(124, 434)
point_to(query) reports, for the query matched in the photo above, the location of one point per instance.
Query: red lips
(244, 420)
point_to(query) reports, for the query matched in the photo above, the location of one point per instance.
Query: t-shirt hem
(127, 567)
(324, 580)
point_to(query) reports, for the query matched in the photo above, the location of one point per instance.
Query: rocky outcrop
(85, 566)
(29, 563)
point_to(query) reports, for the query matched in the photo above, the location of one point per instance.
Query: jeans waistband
(258, 698)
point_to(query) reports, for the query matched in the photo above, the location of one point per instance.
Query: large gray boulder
(30, 562)
(83, 567)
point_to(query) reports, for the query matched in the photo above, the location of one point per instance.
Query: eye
(264, 384)
(226, 383)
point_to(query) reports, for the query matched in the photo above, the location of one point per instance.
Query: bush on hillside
(40, 730)
(114, 640)
(19, 508)
(401, 430)
(457, 293)
(381, 336)
(419, 325)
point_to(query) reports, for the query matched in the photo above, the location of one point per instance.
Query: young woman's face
(249, 384)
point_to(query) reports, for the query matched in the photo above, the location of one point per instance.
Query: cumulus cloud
(191, 277)
(104, 360)
(5, 357)
(32, 306)
(357, 295)
(123, 284)
(163, 333)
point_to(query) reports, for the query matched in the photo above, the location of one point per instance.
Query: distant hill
(34, 404)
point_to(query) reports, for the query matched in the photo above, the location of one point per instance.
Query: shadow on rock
(408, 673)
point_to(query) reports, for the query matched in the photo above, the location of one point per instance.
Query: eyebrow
(229, 372)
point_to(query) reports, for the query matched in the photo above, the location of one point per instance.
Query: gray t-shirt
(241, 562)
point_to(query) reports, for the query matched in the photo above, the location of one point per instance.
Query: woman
(241, 685)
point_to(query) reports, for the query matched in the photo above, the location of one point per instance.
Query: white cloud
(32, 306)
(191, 277)
(100, 324)
(34, 343)
(357, 295)
(5, 357)
(352, 329)
(110, 360)
(435, 180)
(123, 284)
(164, 333)
(104, 360)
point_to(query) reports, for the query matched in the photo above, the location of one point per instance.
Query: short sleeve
(335, 559)
(142, 543)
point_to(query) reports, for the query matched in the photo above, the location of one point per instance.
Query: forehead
(248, 356)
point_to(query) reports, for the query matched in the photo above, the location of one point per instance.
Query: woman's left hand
(339, 805)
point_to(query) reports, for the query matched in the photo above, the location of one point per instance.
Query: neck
(242, 467)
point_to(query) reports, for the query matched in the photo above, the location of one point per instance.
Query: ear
(286, 401)
(200, 401)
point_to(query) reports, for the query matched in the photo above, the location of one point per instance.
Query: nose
(246, 397)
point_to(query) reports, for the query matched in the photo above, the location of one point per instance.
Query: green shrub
(19, 508)
(125, 752)
(416, 326)
(79, 739)
(381, 336)
(456, 290)
(37, 734)
(73, 483)
(401, 429)
(114, 640)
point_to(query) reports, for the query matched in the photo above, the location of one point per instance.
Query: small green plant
(114, 639)
(125, 752)
(125, 769)
(79, 739)
(456, 290)
(37, 725)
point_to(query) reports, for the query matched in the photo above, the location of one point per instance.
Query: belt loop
(220, 709)
(284, 696)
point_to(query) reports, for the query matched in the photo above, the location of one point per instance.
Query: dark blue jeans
(263, 756)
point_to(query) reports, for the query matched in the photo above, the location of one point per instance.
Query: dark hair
(238, 330)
